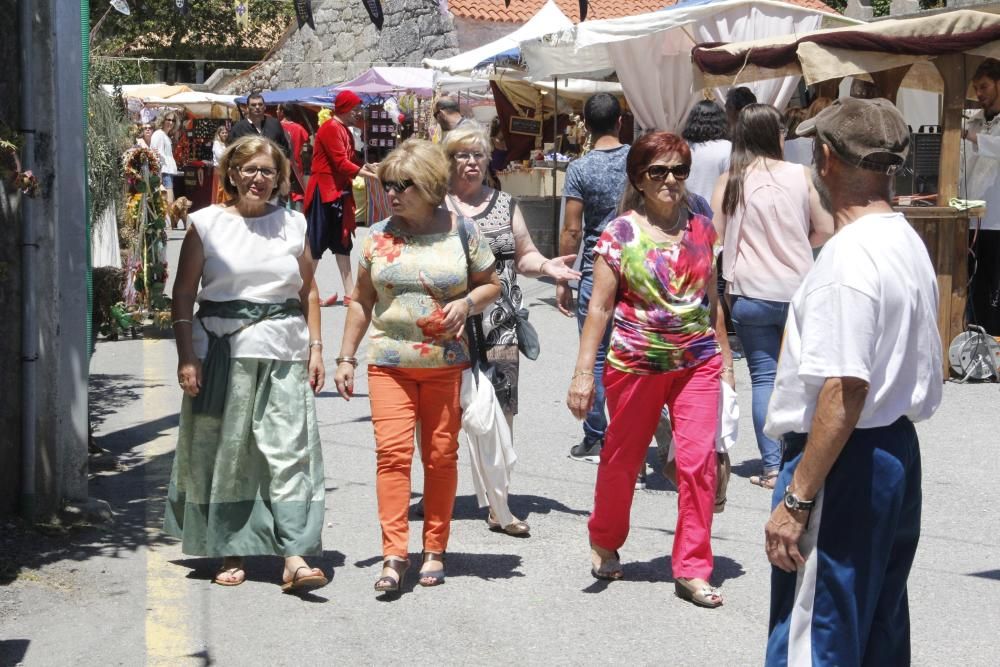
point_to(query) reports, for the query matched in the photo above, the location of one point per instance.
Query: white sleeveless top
(256, 260)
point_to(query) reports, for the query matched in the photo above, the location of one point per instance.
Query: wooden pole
(952, 69)
(888, 81)
(555, 134)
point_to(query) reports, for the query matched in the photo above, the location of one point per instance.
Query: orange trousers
(400, 398)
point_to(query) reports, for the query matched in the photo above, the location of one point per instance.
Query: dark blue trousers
(848, 605)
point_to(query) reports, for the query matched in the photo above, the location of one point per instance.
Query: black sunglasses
(659, 172)
(396, 186)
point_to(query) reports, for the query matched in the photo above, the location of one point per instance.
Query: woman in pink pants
(655, 274)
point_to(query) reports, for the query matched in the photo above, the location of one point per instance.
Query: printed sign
(525, 125)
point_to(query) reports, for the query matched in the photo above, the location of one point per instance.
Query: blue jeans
(596, 422)
(760, 324)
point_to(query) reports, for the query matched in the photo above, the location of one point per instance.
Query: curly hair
(705, 122)
(422, 162)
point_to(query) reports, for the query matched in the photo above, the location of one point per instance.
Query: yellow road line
(169, 640)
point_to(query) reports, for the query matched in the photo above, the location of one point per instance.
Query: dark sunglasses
(659, 172)
(396, 186)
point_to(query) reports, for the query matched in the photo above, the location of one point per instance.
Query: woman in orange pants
(417, 285)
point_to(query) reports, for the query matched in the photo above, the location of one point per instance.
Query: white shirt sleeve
(838, 332)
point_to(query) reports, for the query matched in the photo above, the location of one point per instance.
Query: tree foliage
(156, 29)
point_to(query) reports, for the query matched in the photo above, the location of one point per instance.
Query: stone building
(345, 44)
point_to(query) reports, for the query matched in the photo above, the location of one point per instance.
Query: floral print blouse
(414, 276)
(662, 321)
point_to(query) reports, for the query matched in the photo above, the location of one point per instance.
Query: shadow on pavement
(12, 651)
(522, 506)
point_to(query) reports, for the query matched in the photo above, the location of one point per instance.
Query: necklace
(674, 227)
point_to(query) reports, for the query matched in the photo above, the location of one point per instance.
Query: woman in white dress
(167, 130)
(247, 477)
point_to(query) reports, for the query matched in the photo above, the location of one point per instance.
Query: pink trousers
(634, 405)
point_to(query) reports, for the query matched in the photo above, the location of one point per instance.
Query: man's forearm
(838, 409)
(569, 241)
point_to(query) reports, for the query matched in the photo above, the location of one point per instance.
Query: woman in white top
(219, 144)
(248, 470)
(167, 130)
(770, 217)
(707, 133)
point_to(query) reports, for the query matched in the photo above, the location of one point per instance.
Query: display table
(945, 233)
(536, 182)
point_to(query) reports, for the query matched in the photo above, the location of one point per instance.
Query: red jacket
(332, 169)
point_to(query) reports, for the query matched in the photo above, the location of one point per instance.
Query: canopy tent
(142, 91)
(549, 19)
(651, 52)
(861, 50)
(417, 80)
(202, 105)
(523, 90)
(321, 96)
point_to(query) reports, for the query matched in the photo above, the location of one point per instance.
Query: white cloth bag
(727, 431)
(491, 448)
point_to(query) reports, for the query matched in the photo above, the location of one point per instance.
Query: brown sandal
(432, 577)
(516, 529)
(766, 481)
(389, 584)
(610, 569)
(304, 583)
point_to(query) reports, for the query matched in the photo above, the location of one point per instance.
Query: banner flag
(374, 8)
(304, 13)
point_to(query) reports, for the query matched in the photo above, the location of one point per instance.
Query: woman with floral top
(654, 274)
(417, 287)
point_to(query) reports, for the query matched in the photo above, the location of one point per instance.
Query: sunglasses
(396, 186)
(659, 172)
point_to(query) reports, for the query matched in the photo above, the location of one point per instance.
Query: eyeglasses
(251, 172)
(396, 186)
(168, 120)
(659, 172)
(465, 157)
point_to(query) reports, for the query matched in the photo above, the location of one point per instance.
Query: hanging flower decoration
(10, 169)
(134, 160)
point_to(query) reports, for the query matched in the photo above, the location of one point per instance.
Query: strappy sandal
(433, 577)
(516, 529)
(705, 596)
(389, 584)
(610, 569)
(766, 481)
(231, 571)
(305, 583)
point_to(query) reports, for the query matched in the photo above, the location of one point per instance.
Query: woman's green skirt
(250, 483)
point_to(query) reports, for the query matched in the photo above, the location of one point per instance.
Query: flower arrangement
(134, 161)
(10, 169)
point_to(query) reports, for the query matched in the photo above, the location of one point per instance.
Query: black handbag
(475, 337)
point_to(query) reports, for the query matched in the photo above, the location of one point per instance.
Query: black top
(271, 129)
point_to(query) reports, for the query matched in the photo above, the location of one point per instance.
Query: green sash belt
(211, 399)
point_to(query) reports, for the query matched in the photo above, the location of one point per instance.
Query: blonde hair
(242, 151)
(219, 130)
(461, 137)
(175, 129)
(423, 163)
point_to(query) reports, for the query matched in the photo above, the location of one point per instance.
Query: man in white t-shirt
(981, 180)
(860, 362)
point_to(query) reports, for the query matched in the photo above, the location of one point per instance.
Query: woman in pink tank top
(770, 218)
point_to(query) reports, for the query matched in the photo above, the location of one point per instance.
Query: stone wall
(345, 44)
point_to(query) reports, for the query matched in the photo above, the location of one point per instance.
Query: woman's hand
(317, 371)
(344, 379)
(560, 268)
(455, 314)
(728, 375)
(189, 376)
(581, 394)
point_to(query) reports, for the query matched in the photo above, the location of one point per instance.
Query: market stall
(650, 53)
(952, 43)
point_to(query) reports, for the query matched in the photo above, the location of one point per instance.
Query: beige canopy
(857, 51)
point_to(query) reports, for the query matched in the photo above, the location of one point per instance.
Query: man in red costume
(329, 198)
(298, 136)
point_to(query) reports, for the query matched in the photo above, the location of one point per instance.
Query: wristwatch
(793, 502)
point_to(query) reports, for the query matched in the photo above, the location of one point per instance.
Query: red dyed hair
(650, 147)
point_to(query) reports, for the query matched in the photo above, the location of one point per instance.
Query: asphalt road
(126, 595)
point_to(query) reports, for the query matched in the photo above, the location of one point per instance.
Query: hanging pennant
(304, 13)
(182, 6)
(242, 8)
(583, 10)
(374, 8)
(122, 6)
(506, 3)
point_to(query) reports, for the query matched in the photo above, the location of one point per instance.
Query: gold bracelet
(541, 267)
(316, 343)
(579, 373)
(347, 360)
(176, 322)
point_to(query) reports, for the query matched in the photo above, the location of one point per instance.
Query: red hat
(345, 101)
